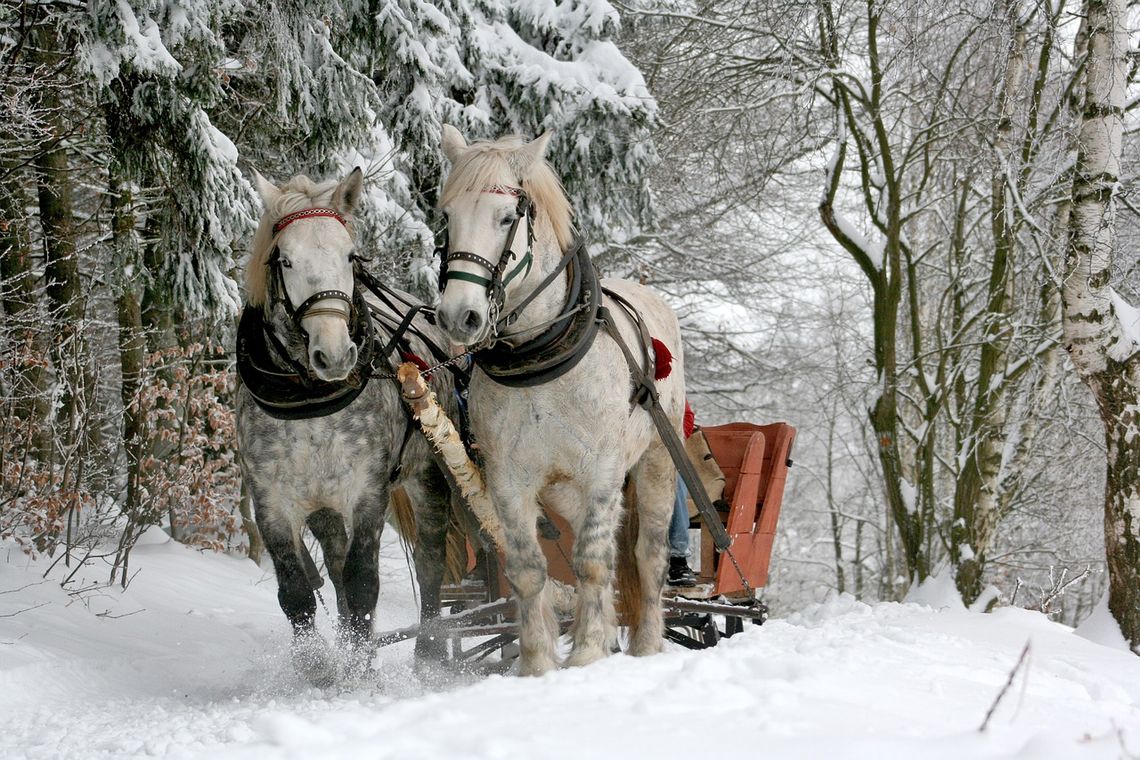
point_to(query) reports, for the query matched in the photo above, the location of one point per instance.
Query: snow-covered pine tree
(321, 88)
(155, 68)
(494, 68)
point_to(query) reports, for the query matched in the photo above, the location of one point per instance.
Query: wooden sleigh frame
(754, 460)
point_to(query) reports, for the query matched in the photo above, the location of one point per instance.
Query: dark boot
(680, 574)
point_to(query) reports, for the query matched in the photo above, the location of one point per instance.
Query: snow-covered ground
(191, 661)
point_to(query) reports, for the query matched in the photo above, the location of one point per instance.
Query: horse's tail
(455, 552)
(403, 517)
(628, 577)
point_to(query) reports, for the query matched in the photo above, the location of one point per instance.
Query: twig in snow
(21, 588)
(1004, 689)
(26, 609)
(1120, 738)
(109, 616)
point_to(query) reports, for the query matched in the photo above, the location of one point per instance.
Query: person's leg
(679, 572)
(679, 527)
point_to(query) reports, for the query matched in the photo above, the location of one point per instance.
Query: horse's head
(492, 197)
(303, 265)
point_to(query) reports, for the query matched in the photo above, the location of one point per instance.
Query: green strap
(525, 261)
(468, 277)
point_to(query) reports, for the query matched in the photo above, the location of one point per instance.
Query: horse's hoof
(313, 661)
(585, 656)
(431, 646)
(646, 648)
(355, 658)
(432, 672)
(536, 666)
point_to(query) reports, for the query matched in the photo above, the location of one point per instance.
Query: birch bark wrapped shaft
(445, 438)
(441, 433)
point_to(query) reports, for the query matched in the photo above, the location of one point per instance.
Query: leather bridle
(496, 283)
(308, 307)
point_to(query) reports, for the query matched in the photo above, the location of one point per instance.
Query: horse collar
(282, 386)
(562, 345)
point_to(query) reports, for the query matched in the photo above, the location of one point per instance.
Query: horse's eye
(286, 263)
(508, 221)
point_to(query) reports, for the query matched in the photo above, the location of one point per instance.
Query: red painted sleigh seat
(755, 461)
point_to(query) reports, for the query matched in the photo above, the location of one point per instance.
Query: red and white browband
(307, 213)
(503, 190)
(316, 211)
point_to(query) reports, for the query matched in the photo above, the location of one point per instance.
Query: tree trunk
(977, 492)
(61, 267)
(132, 339)
(27, 338)
(885, 275)
(1103, 351)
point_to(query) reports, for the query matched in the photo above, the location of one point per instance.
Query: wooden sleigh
(753, 461)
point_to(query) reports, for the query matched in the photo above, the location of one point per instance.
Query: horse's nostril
(350, 357)
(320, 361)
(472, 320)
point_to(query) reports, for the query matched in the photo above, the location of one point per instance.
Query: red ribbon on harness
(307, 213)
(663, 360)
(421, 365)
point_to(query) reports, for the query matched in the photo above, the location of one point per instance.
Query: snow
(937, 592)
(909, 495)
(1102, 628)
(191, 661)
(1129, 318)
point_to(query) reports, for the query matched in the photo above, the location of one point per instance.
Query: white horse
(569, 443)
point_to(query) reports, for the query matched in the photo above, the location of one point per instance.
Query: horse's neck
(546, 305)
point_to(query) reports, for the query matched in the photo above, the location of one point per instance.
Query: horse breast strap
(566, 339)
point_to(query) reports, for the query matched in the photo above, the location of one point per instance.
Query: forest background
(867, 214)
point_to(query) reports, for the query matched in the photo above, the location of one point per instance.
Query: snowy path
(200, 670)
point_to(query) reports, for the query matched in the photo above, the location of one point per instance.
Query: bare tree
(1101, 330)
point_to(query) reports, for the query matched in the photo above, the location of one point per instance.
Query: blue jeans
(679, 526)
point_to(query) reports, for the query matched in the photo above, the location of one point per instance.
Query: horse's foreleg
(328, 527)
(430, 554)
(295, 595)
(595, 628)
(362, 572)
(655, 480)
(526, 571)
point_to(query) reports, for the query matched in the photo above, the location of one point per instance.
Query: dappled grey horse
(322, 443)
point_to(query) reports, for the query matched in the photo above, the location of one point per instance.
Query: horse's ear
(530, 154)
(268, 191)
(453, 143)
(534, 151)
(346, 197)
